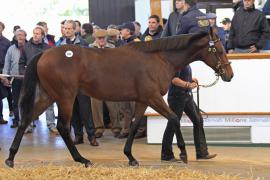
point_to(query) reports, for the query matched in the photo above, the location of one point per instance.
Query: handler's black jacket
(249, 27)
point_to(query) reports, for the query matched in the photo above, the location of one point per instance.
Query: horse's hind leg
(63, 126)
(42, 101)
(139, 111)
(158, 104)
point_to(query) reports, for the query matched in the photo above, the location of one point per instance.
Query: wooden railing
(249, 56)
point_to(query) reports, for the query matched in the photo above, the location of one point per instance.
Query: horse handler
(180, 98)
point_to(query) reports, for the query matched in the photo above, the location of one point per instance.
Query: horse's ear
(212, 32)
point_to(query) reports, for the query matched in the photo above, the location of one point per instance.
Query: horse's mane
(168, 43)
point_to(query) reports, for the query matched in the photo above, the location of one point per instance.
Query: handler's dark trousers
(16, 89)
(82, 116)
(184, 102)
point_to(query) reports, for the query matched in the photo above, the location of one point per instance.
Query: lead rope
(198, 95)
(211, 84)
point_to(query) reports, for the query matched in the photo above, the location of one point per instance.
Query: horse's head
(215, 57)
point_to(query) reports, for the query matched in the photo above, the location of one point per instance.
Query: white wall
(27, 13)
(247, 92)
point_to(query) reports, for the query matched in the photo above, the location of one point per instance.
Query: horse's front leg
(139, 112)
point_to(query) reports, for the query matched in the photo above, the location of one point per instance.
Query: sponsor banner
(231, 120)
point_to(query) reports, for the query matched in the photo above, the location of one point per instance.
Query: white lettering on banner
(230, 120)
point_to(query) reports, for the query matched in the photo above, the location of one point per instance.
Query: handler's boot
(208, 156)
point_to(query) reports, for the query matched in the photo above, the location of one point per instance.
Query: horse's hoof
(184, 158)
(133, 163)
(88, 164)
(9, 163)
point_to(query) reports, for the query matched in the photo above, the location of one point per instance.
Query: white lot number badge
(69, 53)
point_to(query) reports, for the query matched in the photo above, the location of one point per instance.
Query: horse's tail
(28, 91)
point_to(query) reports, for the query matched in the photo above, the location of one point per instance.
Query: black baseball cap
(128, 25)
(226, 20)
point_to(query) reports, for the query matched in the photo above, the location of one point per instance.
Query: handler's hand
(195, 80)
(192, 85)
(5, 81)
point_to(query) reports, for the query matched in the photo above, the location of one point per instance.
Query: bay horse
(140, 72)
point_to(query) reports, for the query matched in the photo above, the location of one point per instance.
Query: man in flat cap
(100, 36)
(114, 37)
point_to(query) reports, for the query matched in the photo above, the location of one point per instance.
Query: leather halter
(220, 66)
